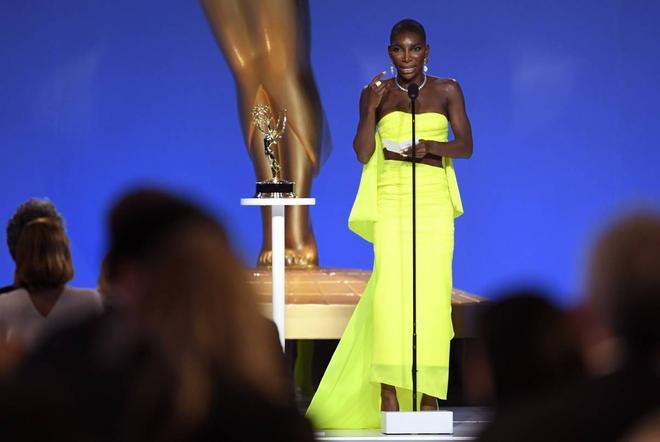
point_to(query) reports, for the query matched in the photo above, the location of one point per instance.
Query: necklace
(396, 80)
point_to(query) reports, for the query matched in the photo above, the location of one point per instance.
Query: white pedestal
(277, 246)
(418, 422)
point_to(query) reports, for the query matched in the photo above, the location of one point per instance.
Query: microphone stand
(413, 92)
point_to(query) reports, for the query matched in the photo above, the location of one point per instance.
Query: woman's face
(408, 52)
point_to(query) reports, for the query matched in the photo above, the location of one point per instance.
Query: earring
(392, 70)
(426, 68)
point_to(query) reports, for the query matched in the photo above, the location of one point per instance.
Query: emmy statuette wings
(262, 118)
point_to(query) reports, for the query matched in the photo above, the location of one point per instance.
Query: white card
(398, 146)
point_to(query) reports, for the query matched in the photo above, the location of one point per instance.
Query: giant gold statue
(266, 44)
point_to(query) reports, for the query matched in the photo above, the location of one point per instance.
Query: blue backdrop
(98, 96)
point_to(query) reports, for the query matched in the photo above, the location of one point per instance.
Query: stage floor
(468, 422)
(320, 301)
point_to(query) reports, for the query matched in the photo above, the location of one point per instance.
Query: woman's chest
(399, 101)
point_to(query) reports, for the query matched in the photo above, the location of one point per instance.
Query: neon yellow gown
(376, 346)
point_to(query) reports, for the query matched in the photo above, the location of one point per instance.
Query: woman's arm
(461, 145)
(363, 143)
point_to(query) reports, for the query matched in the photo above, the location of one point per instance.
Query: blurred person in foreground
(623, 287)
(526, 348)
(182, 355)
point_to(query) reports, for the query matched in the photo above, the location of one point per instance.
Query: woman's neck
(418, 80)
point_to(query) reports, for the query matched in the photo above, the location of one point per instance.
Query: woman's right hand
(370, 98)
(374, 91)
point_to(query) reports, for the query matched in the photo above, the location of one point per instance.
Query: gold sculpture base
(275, 189)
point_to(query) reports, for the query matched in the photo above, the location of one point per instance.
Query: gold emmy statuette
(263, 120)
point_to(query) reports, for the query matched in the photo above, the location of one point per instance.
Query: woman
(373, 360)
(28, 211)
(42, 299)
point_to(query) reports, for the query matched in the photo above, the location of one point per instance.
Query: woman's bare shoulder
(443, 83)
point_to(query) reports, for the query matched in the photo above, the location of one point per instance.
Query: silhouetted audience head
(42, 255)
(140, 220)
(624, 281)
(172, 266)
(528, 346)
(25, 213)
(621, 402)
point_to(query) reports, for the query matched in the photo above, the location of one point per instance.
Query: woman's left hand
(421, 149)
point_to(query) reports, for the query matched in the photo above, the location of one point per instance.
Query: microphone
(413, 91)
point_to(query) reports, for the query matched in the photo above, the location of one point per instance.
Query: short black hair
(408, 25)
(29, 211)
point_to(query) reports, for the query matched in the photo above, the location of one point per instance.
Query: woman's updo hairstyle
(408, 25)
(43, 258)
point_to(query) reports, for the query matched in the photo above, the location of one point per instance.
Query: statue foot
(265, 258)
(303, 257)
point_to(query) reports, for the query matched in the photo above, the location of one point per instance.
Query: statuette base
(275, 189)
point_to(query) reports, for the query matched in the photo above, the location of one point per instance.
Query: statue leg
(267, 47)
(299, 164)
